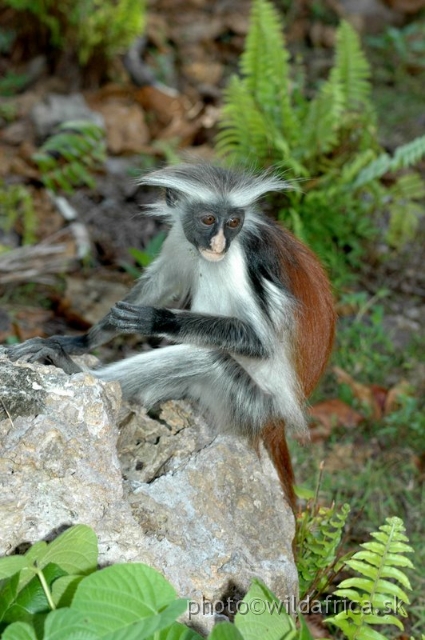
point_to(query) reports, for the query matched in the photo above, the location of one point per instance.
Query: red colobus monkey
(257, 322)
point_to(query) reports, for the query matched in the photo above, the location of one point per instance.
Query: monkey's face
(212, 228)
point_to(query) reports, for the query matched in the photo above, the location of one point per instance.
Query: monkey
(246, 305)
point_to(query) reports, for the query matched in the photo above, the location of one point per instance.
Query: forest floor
(374, 457)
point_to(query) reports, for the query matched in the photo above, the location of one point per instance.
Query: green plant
(317, 541)
(330, 142)
(91, 27)
(16, 204)
(68, 157)
(364, 347)
(405, 46)
(153, 247)
(54, 591)
(376, 592)
(12, 83)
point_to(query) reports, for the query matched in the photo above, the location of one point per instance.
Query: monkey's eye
(208, 220)
(233, 223)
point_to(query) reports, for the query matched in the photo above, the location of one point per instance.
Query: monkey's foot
(45, 351)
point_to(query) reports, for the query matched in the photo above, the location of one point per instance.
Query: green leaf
(351, 67)
(31, 599)
(11, 565)
(19, 631)
(121, 595)
(225, 631)
(66, 624)
(75, 550)
(177, 631)
(151, 625)
(262, 615)
(63, 590)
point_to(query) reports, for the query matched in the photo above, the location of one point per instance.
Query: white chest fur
(222, 288)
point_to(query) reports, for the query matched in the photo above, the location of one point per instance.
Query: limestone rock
(202, 509)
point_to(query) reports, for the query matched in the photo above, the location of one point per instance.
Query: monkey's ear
(171, 197)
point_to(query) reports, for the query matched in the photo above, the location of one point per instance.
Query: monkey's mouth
(212, 256)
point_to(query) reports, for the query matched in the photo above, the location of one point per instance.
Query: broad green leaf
(177, 631)
(36, 551)
(63, 590)
(8, 592)
(75, 550)
(66, 624)
(32, 598)
(19, 631)
(120, 595)
(11, 565)
(262, 615)
(144, 629)
(225, 631)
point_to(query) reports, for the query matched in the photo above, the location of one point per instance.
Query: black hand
(131, 318)
(46, 351)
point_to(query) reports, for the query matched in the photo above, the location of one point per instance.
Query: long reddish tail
(274, 439)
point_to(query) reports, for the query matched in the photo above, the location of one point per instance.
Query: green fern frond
(373, 171)
(69, 157)
(265, 69)
(403, 223)
(320, 132)
(353, 167)
(351, 67)
(244, 134)
(408, 154)
(405, 156)
(317, 540)
(374, 599)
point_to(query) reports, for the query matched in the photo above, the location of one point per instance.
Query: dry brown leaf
(362, 392)
(402, 388)
(165, 104)
(330, 414)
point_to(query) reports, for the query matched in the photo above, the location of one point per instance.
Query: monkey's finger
(127, 306)
(18, 351)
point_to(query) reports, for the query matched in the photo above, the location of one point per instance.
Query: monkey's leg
(214, 379)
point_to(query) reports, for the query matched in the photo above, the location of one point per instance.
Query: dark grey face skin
(212, 228)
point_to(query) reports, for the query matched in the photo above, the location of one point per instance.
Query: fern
(17, 206)
(317, 540)
(68, 158)
(264, 66)
(380, 587)
(238, 122)
(351, 67)
(330, 140)
(405, 156)
(323, 119)
(409, 154)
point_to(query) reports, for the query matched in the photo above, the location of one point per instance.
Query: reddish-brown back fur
(314, 333)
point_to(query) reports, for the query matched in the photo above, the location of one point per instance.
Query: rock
(57, 108)
(203, 510)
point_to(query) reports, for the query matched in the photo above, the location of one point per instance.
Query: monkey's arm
(159, 285)
(227, 333)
